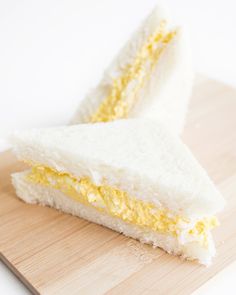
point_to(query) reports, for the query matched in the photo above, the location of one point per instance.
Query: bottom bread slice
(46, 196)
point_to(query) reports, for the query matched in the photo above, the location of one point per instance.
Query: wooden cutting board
(54, 253)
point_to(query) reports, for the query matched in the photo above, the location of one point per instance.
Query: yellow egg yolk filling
(125, 88)
(120, 204)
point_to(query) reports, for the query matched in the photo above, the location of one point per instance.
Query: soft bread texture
(165, 96)
(34, 193)
(139, 157)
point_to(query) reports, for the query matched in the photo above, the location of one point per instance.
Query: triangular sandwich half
(151, 77)
(129, 175)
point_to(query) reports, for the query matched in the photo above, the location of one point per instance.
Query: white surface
(9, 284)
(52, 52)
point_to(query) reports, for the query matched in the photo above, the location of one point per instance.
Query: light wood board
(54, 253)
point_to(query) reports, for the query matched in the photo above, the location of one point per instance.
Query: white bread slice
(165, 96)
(46, 196)
(136, 156)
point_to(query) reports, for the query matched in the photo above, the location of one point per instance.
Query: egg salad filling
(125, 88)
(120, 204)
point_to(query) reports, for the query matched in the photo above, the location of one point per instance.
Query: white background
(52, 52)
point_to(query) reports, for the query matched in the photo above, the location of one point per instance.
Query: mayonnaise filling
(120, 204)
(124, 90)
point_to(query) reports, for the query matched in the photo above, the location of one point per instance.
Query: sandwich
(132, 176)
(151, 77)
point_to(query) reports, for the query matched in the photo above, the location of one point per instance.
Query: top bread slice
(137, 156)
(165, 96)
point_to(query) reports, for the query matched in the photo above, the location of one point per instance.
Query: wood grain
(54, 253)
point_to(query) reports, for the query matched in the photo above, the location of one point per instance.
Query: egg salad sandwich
(151, 77)
(129, 175)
